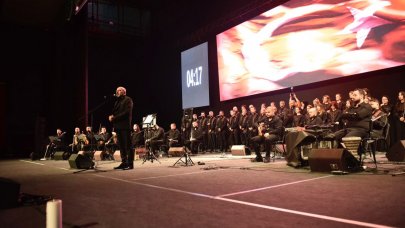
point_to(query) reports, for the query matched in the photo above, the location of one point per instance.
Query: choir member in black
(173, 136)
(121, 118)
(233, 128)
(358, 117)
(268, 132)
(324, 115)
(203, 124)
(262, 114)
(339, 103)
(253, 120)
(298, 119)
(335, 116)
(285, 114)
(379, 119)
(326, 102)
(104, 136)
(137, 138)
(243, 126)
(385, 105)
(236, 110)
(196, 137)
(185, 127)
(221, 132)
(212, 139)
(399, 118)
(313, 119)
(157, 139)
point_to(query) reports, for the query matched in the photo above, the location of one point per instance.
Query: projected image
(194, 77)
(295, 44)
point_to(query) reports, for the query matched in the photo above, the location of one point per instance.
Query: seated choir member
(379, 119)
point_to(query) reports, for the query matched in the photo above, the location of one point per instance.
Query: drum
(352, 144)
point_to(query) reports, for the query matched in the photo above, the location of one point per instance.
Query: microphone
(108, 96)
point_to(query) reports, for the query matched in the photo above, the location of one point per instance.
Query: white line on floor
(273, 186)
(173, 175)
(36, 163)
(312, 215)
(325, 217)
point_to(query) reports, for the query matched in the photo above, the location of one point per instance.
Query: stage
(226, 191)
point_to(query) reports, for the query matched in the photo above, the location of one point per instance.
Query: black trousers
(350, 132)
(123, 136)
(212, 141)
(222, 140)
(258, 140)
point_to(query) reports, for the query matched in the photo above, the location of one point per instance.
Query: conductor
(121, 118)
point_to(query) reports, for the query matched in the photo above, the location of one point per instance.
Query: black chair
(369, 143)
(278, 142)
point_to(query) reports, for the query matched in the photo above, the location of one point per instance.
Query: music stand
(187, 159)
(148, 122)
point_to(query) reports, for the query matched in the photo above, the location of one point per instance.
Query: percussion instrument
(352, 144)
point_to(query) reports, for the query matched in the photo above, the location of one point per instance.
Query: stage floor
(227, 191)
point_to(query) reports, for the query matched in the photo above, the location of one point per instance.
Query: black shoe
(266, 160)
(121, 166)
(128, 167)
(256, 159)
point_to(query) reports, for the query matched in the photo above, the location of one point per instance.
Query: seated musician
(173, 136)
(137, 139)
(313, 118)
(56, 143)
(90, 141)
(269, 131)
(78, 141)
(156, 140)
(112, 144)
(379, 119)
(302, 136)
(103, 137)
(196, 138)
(358, 117)
(60, 140)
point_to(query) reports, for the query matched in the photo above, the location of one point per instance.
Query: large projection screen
(302, 42)
(194, 77)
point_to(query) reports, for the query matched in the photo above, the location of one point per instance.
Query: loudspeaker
(327, 160)
(397, 152)
(239, 150)
(117, 155)
(10, 192)
(78, 161)
(60, 155)
(176, 151)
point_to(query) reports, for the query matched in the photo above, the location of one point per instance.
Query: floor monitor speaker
(78, 161)
(327, 160)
